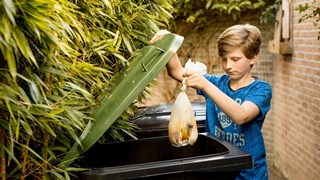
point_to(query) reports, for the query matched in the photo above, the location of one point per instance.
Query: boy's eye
(236, 58)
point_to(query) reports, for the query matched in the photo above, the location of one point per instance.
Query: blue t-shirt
(248, 137)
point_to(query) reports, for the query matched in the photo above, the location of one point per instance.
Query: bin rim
(233, 160)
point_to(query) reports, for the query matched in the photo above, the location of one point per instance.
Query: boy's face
(236, 65)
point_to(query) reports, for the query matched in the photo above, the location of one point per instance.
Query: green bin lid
(143, 66)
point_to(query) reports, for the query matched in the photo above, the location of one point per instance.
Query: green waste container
(151, 157)
(143, 66)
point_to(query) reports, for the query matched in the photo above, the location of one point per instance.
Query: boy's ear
(253, 60)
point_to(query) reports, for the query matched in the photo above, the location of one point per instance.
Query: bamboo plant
(56, 60)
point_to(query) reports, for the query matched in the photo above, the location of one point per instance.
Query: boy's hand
(195, 79)
(158, 35)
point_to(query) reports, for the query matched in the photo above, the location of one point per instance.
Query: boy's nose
(229, 64)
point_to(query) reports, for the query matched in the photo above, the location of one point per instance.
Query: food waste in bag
(182, 125)
(182, 128)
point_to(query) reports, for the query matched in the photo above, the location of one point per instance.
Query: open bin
(153, 156)
(156, 158)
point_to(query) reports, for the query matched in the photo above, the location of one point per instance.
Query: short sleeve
(261, 95)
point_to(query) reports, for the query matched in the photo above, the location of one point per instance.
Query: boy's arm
(175, 69)
(239, 113)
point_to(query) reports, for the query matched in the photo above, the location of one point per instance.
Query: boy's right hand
(158, 35)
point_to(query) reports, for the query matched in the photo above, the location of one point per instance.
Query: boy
(237, 102)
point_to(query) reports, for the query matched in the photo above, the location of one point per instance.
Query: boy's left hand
(158, 35)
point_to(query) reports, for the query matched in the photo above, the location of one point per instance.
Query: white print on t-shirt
(234, 138)
(224, 120)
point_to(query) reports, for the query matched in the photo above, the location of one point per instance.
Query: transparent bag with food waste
(182, 128)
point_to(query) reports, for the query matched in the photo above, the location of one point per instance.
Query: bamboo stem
(24, 163)
(2, 154)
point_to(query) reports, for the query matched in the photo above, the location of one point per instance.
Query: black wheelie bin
(152, 156)
(155, 158)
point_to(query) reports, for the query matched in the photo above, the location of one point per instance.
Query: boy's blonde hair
(246, 37)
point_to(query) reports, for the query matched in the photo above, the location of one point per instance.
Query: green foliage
(310, 11)
(56, 59)
(201, 11)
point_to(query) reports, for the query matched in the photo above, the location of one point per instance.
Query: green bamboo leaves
(199, 13)
(10, 10)
(57, 58)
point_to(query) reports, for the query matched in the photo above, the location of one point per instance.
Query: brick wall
(292, 127)
(296, 104)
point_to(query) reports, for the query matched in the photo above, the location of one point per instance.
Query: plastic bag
(182, 125)
(182, 128)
